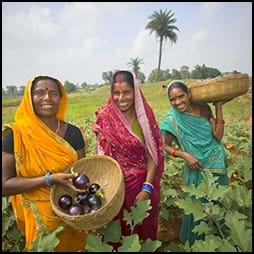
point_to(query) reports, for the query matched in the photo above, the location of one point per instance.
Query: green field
(82, 105)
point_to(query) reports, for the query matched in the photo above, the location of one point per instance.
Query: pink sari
(116, 139)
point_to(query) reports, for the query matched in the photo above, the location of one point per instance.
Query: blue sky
(77, 41)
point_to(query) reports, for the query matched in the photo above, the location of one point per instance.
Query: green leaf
(150, 245)
(170, 192)
(5, 203)
(209, 245)
(219, 192)
(202, 227)
(14, 233)
(128, 217)
(164, 213)
(225, 246)
(192, 206)
(196, 191)
(217, 210)
(6, 223)
(176, 247)
(241, 195)
(170, 202)
(239, 233)
(130, 244)
(46, 242)
(138, 212)
(95, 244)
(112, 232)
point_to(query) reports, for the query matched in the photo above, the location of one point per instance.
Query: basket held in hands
(105, 171)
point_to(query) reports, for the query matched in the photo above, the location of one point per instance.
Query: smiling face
(123, 96)
(45, 98)
(179, 99)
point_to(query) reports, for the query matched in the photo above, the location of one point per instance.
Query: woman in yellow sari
(36, 149)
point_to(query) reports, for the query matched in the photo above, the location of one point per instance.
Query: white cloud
(28, 28)
(80, 40)
(199, 36)
(140, 46)
(210, 8)
(89, 44)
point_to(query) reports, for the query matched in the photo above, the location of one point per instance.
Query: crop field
(236, 234)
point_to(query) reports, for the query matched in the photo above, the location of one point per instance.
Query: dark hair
(177, 84)
(39, 78)
(123, 76)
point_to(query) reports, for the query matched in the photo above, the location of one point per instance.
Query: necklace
(58, 126)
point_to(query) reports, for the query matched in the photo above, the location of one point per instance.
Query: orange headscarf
(38, 150)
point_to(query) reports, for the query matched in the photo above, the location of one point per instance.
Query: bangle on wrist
(149, 184)
(220, 121)
(147, 187)
(47, 179)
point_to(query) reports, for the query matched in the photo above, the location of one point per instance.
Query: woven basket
(219, 88)
(107, 173)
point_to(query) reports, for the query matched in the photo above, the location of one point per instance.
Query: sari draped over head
(115, 138)
(193, 134)
(38, 150)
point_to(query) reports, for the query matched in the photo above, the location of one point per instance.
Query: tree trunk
(159, 64)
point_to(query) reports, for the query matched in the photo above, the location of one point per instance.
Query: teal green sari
(193, 134)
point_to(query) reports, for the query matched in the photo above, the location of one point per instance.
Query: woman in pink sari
(127, 131)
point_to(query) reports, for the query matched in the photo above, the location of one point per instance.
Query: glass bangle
(47, 179)
(147, 188)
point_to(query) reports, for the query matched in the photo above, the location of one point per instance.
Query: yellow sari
(38, 150)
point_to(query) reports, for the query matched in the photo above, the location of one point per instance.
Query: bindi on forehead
(120, 80)
(46, 88)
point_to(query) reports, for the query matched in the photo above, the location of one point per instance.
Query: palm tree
(135, 64)
(161, 23)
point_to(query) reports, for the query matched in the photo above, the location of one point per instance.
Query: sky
(78, 41)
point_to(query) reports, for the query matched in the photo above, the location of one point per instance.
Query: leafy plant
(172, 185)
(222, 213)
(12, 239)
(112, 233)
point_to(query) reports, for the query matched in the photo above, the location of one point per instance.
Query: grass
(82, 105)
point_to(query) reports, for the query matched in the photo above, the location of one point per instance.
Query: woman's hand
(192, 162)
(142, 195)
(64, 179)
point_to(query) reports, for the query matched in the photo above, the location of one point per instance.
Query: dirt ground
(168, 230)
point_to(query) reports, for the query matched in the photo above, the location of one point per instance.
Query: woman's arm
(81, 153)
(151, 171)
(190, 159)
(12, 184)
(218, 123)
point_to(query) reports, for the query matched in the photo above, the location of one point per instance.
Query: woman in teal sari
(197, 134)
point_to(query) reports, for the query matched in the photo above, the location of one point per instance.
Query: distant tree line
(198, 72)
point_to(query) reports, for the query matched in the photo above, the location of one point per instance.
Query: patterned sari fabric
(193, 134)
(38, 150)
(116, 139)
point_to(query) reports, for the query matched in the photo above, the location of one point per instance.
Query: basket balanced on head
(219, 88)
(107, 173)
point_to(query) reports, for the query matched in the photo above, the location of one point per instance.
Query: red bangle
(220, 121)
(174, 152)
